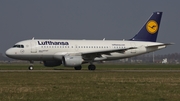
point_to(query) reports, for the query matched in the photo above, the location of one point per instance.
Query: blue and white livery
(73, 53)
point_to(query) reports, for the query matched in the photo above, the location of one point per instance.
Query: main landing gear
(77, 67)
(90, 67)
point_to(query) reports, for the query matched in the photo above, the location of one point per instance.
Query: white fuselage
(46, 49)
(73, 53)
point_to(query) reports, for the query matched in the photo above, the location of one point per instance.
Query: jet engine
(71, 61)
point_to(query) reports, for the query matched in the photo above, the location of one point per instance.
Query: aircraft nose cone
(9, 53)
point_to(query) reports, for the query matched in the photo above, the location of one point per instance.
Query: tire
(30, 67)
(91, 67)
(78, 67)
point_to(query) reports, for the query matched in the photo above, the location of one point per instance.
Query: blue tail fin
(150, 30)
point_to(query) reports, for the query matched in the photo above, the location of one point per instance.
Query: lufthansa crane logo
(152, 26)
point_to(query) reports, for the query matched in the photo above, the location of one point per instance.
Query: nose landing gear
(31, 68)
(31, 65)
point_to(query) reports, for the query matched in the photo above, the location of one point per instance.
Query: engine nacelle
(71, 61)
(52, 63)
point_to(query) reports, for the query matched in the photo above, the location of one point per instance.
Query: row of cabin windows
(81, 47)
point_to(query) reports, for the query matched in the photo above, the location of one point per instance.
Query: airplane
(74, 53)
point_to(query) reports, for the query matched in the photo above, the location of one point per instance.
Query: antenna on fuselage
(33, 38)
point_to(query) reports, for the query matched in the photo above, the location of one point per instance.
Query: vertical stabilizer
(150, 30)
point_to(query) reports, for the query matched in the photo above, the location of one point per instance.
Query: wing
(93, 54)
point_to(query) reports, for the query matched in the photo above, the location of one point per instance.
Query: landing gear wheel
(77, 67)
(30, 67)
(91, 67)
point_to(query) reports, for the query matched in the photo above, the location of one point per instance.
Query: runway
(78, 71)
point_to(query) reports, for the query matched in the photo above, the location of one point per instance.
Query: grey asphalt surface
(61, 70)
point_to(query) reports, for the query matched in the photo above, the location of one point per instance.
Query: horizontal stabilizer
(164, 44)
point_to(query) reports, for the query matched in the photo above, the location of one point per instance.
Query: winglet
(150, 30)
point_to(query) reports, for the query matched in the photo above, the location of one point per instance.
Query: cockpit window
(22, 46)
(18, 46)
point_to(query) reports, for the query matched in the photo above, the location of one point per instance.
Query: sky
(86, 19)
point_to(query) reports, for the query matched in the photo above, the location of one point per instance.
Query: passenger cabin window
(18, 46)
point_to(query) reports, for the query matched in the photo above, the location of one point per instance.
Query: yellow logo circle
(152, 26)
